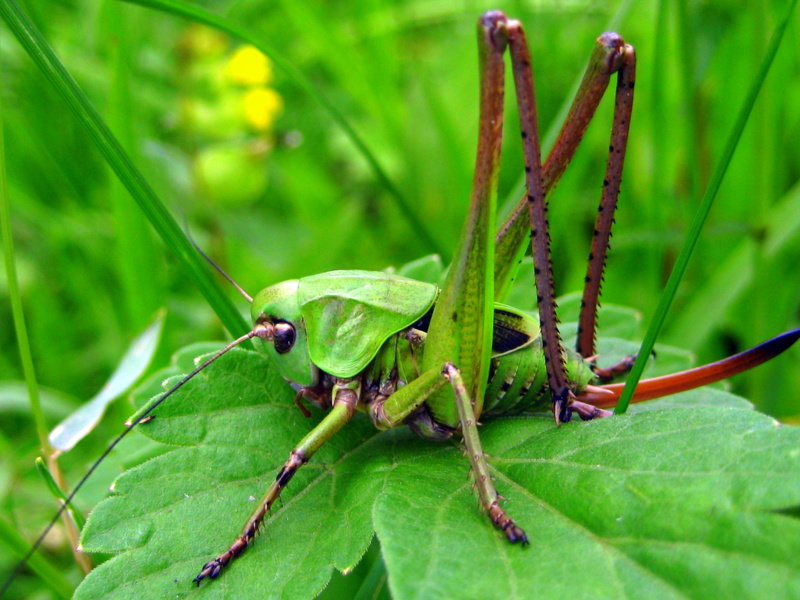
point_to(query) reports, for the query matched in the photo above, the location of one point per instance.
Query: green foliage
(677, 499)
(92, 272)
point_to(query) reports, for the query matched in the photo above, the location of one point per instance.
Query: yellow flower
(261, 106)
(248, 66)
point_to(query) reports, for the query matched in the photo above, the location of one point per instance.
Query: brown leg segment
(540, 235)
(346, 394)
(611, 55)
(606, 374)
(510, 239)
(624, 59)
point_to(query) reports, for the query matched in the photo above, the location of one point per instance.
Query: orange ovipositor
(606, 396)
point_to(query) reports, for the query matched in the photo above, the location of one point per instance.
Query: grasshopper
(436, 358)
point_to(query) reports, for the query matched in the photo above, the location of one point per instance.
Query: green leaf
(690, 488)
(187, 505)
(428, 269)
(678, 498)
(135, 361)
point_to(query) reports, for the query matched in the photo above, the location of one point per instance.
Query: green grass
(404, 75)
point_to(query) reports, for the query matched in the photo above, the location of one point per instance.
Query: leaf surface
(677, 499)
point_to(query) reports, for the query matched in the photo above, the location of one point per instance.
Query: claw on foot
(502, 521)
(211, 570)
(562, 406)
(515, 535)
(587, 412)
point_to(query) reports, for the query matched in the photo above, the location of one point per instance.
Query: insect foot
(502, 521)
(587, 412)
(213, 568)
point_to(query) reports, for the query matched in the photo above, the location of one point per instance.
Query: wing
(350, 314)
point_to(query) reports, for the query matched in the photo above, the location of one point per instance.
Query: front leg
(346, 394)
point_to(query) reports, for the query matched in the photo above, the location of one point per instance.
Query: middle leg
(490, 499)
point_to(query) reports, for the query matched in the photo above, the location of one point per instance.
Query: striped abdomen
(518, 380)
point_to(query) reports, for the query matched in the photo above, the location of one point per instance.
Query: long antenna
(261, 330)
(213, 263)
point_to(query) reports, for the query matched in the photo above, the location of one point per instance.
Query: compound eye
(284, 337)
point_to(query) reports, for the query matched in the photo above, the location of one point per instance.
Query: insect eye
(284, 337)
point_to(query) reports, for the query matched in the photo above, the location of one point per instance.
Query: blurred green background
(272, 189)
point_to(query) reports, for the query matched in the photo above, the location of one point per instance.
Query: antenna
(213, 263)
(261, 330)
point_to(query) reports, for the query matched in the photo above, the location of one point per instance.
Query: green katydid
(434, 358)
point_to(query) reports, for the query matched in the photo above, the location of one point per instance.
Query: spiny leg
(346, 393)
(400, 406)
(623, 106)
(510, 239)
(606, 374)
(487, 493)
(610, 55)
(540, 235)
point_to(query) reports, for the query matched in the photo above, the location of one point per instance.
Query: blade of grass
(733, 276)
(374, 582)
(24, 348)
(18, 315)
(656, 216)
(200, 15)
(702, 213)
(59, 493)
(690, 97)
(45, 59)
(137, 253)
(49, 574)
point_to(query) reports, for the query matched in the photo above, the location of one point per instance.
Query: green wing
(350, 314)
